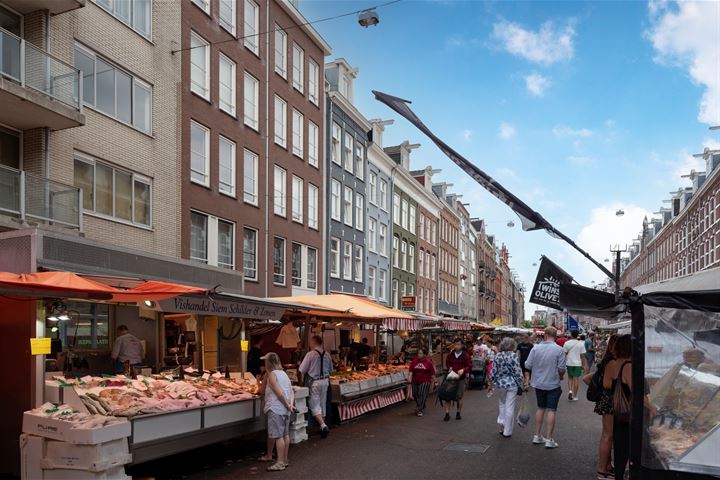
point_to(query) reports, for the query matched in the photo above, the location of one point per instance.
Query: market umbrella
(155, 290)
(54, 284)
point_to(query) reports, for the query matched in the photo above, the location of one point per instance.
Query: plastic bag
(448, 390)
(452, 375)
(523, 416)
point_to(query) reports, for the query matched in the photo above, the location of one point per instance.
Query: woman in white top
(279, 403)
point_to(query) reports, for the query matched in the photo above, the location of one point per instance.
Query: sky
(579, 108)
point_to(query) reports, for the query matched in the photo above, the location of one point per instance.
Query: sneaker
(447, 417)
(550, 443)
(420, 414)
(278, 467)
(570, 396)
(324, 432)
(575, 399)
(538, 440)
(457, 416)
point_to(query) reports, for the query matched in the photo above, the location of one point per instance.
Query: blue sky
(578, 108)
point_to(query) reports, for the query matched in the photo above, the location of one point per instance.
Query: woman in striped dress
(422, 379)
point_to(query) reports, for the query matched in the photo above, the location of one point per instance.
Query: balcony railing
(30, 197)
(33, 68)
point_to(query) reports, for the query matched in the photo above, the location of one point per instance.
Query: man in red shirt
(460, 362)
(562, 339)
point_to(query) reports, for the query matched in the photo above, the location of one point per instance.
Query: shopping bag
(523, 417)
(448, 390)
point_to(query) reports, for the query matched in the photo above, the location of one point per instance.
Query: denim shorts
(548, 399)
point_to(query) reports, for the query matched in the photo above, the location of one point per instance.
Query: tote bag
(622, 404)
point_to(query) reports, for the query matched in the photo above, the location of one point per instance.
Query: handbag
(595, 389)
(622, 405)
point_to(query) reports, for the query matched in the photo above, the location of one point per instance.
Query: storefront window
(87, 329)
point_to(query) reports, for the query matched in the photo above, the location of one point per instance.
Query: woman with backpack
(603, 407)
(618, 381)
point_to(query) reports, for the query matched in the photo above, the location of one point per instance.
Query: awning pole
(243, 353)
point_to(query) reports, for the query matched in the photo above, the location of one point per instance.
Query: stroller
(477, 374)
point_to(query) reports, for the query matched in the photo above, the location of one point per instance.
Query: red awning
(70, 285)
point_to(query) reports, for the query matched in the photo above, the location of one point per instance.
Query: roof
(300, 19)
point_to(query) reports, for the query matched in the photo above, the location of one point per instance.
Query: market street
(394, 444)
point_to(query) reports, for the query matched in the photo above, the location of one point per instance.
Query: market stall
(675, 327)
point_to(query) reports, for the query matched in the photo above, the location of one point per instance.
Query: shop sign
(40, 346)
(407, 303)
(222, 308)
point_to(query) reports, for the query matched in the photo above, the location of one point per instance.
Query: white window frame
(411, 219)
(336, 147)
(280, 194)
(252, 27)
(313, 143)
(207, 240)
(203, 5)
(396, 208)
(280, 278)
(336, 194)
(212, 236)
(280, 52)
(382, 284)
(359, 161)
(227, 187)
(298, 187)
(230, 108)
(348, 205)
(280, 114)
(298, 147)
(347, 258)
(348, 143)
(403, 254)
(253, 278)
(383, 239)
(404, 213)
(310, 276)
(359, 262)
(334, 257)
(411, 257)
(313, 199)
(383, 195)
(205, 181)
(202, 90)
(130, 21)
(396, 251)
(372, 235)
(421, 262)
(298, 68)
(359, 211)
(371, 281)
(313, 82)
(250, 197)
(421, 231)
(229, 24)
(251, 101)
(372, 187)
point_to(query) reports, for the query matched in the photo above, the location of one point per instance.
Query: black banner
(546, 290)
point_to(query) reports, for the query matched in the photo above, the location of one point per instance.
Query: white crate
(368, 384)
(94, 458)
(116, 473)
(63, 431)
(301, 409)
(349, 387)
(384, 380)
(399, 377)
(31, 455)
(298, 437)
(299, 425)
(301, 392)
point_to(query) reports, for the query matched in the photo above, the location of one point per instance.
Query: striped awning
(402, 323)
(456, 325)
(381, 400)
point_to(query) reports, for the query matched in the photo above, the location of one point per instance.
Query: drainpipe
(267, 147)
(326, 184)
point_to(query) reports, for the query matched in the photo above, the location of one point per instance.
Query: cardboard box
(116, 473)
(94, 458)
(301, 392)
(31, 454)
(63, 431)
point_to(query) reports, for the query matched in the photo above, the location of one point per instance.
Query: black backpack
(448, 390)
(595, 388)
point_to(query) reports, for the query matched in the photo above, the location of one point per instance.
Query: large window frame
(130, 17)
(280, 52)
(280, 131)
(313, 82)
(279, 257)
(201, 177)
(298, 187)
(214, 243)
(359, 211)
(313, 199)
(348, 144)
(251, 95)
(298, 68)
(251, 17)
(227, 166)
(334, 267)
(280, 189)
(335, 146)
(298, 141)
(227, 99)
(199, 65)
(313, 144)
(335, 200)
(359, 263)
(227, 16)
(347, 260)
(250, 163)
(250, 256)
(348, 206)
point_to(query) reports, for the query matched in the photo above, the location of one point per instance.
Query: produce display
(373, 371)
(79, 420)
(121, 396)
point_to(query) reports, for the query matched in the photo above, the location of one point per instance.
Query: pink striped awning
(456, 325)
(381, 400)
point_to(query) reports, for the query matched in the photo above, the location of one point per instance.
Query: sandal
(277, 467)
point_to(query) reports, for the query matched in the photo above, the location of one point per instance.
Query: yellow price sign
(244, 345)
(40, 346)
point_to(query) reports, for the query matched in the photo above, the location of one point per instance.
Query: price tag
(244, 345)
(40, 346)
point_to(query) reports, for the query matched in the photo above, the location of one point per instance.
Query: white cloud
(580, 160)
(686, 34)
(507, 131)
(545, 46)
(537, 84)
(565, 131)
(467, 135)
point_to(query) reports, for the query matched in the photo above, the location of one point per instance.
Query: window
(334, 257)
(226, 153)
(371, 282)
(227, 85)
(348, 151)
(297, 199)
(382, 274)
(297, 133)
(404, 214)
(403, 254)
(421, 233)
(313, 82)
(411, 220)
(312, 206)
(280, 187)
(359, 211)
(298, 67)
(403, 289)
(395, 293)
(311, 273)
(383, 239)
(199, 66)
(252, 25)
(250, 187)
(252, 101)
(372, 233)
(396, 208)
(383, 195)
(359, 263)
(372, 188)
(359, 161)
(228, 15)
(199, 154)
(410, 289)
(280, 52)
(280, 121)
(136, 14)
(347, 206)
(396, 252)
(335, 200)
(313, 154)
(279, 261)
(335, 147)
(203, 4)
(421, 263)
(432, 232)
(411, 258)
(347, 260)
(212, 240)
(113, 91)
(428, 262)
(296, 265)
(250, 253)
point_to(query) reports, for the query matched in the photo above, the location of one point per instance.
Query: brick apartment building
(428, 218)
(448, 267)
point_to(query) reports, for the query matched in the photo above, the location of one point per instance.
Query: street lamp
(619, 212)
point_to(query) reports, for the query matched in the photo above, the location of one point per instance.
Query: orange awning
(155, 290)
(350, 307)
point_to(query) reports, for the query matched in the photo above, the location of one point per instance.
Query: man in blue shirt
(545, 370)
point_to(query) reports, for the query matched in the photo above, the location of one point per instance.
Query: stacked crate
(298, 428)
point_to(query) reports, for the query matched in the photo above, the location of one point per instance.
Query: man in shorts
(575, 361)
(545, 369)
(315, 369)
